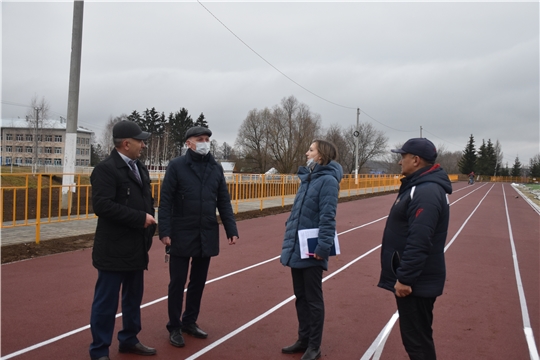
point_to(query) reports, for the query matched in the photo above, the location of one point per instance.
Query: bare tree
(226, 151)
(334, 134)
(252, 140)
(106, 141)
(372, 143)
(448, 160)
(292, 128)
(39, 111)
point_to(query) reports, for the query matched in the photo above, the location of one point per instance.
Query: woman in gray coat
(314, 208)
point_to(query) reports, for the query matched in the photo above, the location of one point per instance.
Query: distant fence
(36, 199)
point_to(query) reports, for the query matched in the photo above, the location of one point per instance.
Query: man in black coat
(412, 253)
(193, 187)
(122, 200)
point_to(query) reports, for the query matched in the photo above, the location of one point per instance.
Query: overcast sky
(453, 68)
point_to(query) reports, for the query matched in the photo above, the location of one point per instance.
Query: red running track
(248, 308)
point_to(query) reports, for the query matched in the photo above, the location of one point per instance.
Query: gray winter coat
(314, 207)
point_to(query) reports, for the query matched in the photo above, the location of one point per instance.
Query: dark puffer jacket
(121, 242)
(193, 187)
(314, 207)
(415, 234)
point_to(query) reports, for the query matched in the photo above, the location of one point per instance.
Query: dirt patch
(17, 252)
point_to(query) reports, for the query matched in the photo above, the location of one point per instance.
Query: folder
(308, 240)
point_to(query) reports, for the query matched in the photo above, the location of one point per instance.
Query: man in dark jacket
(412, 253)
(193, 187)
(122, 200)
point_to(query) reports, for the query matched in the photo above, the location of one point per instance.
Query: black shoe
(297, 347)
(101, 358)
(194, 330)
(176, 338)
(311, 354)
(138, 349)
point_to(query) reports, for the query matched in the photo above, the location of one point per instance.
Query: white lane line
(378, 344)
(86, 327)
(533, 351)
(270, 311)
(526, 198)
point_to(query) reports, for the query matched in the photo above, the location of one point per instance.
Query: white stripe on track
(375, 349)
(533, 351)
(86, 327)
(526, 198)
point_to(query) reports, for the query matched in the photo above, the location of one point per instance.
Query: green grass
(533, 186)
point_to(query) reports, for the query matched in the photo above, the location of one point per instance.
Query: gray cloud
(453, 68)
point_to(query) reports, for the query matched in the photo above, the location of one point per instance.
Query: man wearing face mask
(193, 187)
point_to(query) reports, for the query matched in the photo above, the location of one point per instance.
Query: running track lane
(356, 309)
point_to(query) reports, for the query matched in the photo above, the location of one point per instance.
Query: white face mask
(310, 162)
(203, 148)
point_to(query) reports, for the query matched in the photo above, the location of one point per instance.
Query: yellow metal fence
(36, 199)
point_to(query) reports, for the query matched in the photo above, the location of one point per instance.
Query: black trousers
(415, 321)
(307, 284)
(178, 271)
(105, 305)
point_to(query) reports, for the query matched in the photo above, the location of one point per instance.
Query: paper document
(309, 238)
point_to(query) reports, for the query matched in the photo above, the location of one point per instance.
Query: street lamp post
(356, 135)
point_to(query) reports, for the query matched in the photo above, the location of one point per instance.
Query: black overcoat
(121, 242)
(187, 207)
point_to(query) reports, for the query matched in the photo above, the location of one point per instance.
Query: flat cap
(197, 131)
(419, 146)
(128, 129)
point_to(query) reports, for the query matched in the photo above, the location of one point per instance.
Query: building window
(29, 137)
(8, 148)
(78, 151)
(9, 137)
(57, 150)
(19, 137)
(87, 141)
(8, 160)
(48, 150)
(18, 149)
(48, 162)
(48, 138)
(18, 161)
(29, 149)
(28, 161)
(57, 161)
(40, 150)
(57, 138)
(78, 140)
(39, 137)
(77, 162)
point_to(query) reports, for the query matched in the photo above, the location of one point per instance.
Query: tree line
(278, 137)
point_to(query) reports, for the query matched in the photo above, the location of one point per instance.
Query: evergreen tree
(179, 123)
(486, 162)
(154, 123)
(516, 169)
(534, 166)
(505, 171)
(201, 121)
(467, 163)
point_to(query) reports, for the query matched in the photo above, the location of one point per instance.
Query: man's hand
(149, 221)
(232, 240)
(166, 241)
(402, 290)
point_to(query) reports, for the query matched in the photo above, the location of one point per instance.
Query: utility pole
(357, 135)
(420, 130)
(36, 150)
(70, 149)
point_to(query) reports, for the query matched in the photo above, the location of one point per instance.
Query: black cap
(128, 129)
(419, 146)
(197, 131)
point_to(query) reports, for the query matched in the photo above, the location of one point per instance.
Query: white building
(23, 141)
